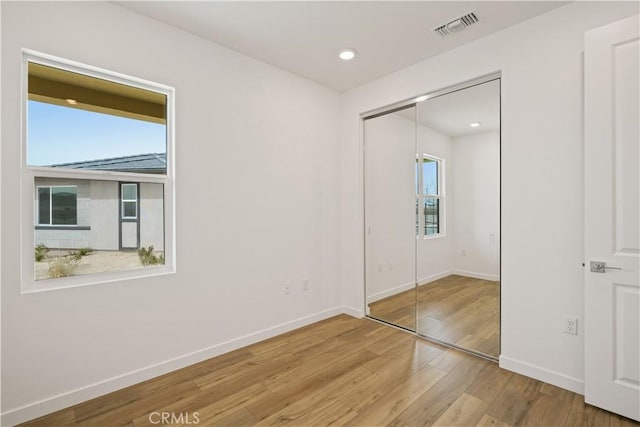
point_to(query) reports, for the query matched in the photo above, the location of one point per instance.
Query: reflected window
(432, 195)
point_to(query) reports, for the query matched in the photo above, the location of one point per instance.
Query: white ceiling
(305, 37)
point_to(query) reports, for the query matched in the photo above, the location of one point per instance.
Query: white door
(612, 217)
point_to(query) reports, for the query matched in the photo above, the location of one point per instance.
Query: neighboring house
(102, 215)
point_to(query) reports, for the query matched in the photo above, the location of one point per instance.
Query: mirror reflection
(390, 242)
(436, 166)
(458, 267)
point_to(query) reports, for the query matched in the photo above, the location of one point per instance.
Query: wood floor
(459, 310)
(341, 371)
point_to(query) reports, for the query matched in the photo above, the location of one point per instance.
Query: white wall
(256, 180)
(476, 196)
(542, 274)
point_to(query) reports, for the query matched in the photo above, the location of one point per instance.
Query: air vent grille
(457, 25)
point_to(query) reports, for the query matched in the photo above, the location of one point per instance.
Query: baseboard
(353, 312)
(475, 275)
(554, 378)
(407, 286)
(390, 292)
(82, 394)
(434, 277)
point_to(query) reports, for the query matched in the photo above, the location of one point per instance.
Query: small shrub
(84, 251)
(41, 252)
(147, 257)
(63, 266)
(80, 253)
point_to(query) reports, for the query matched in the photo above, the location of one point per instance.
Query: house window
(129, 201)
(57, 205)
(99, 171)
(431, 198)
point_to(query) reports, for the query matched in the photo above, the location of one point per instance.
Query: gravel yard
(94, 262)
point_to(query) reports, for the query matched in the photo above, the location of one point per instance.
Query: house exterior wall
(99, 219)
(152, 215)
(104, 215)
(66, 237)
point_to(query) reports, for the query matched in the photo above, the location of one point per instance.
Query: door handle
(600, 267)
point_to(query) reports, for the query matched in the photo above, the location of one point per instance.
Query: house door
(129, 215)
(612, 217)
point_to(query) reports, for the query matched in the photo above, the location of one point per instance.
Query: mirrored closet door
(436, 165)
(390, 217)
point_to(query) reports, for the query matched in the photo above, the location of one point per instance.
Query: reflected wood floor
(455, 309)
(341, 371)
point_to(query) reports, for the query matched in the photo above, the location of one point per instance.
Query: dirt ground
(94, 262)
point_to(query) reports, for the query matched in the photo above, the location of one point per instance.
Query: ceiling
(304, 37)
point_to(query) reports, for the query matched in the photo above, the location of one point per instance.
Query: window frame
(440, 196)
(29, 222)
(37, 207)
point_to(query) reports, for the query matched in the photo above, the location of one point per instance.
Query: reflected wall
(390, 212)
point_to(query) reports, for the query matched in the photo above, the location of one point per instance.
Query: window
(129, 201)
(430, 196)
(57, 205)
(99, 171)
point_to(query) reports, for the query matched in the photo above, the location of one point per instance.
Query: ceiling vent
(457, 25)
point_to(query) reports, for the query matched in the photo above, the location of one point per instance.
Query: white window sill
(32, 286)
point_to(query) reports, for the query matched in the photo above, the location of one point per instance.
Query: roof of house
(149, 163)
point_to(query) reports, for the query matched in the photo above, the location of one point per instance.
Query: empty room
(320, 213)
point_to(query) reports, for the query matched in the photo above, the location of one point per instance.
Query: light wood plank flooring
(459, 310)
(341, 371)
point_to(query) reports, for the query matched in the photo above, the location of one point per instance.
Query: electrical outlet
(570, 325)
(287, 288)
(305, 285)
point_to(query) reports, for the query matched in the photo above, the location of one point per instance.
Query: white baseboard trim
(390, 292)
(434, 277)
(475, 275)
(82, 394)
(353, 312)
(554, 378)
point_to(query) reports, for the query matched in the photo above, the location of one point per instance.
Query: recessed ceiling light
(71, 101)
(347, 54)
(474, 124)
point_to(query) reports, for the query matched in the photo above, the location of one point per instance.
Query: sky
(59, 134)
(430, 177)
